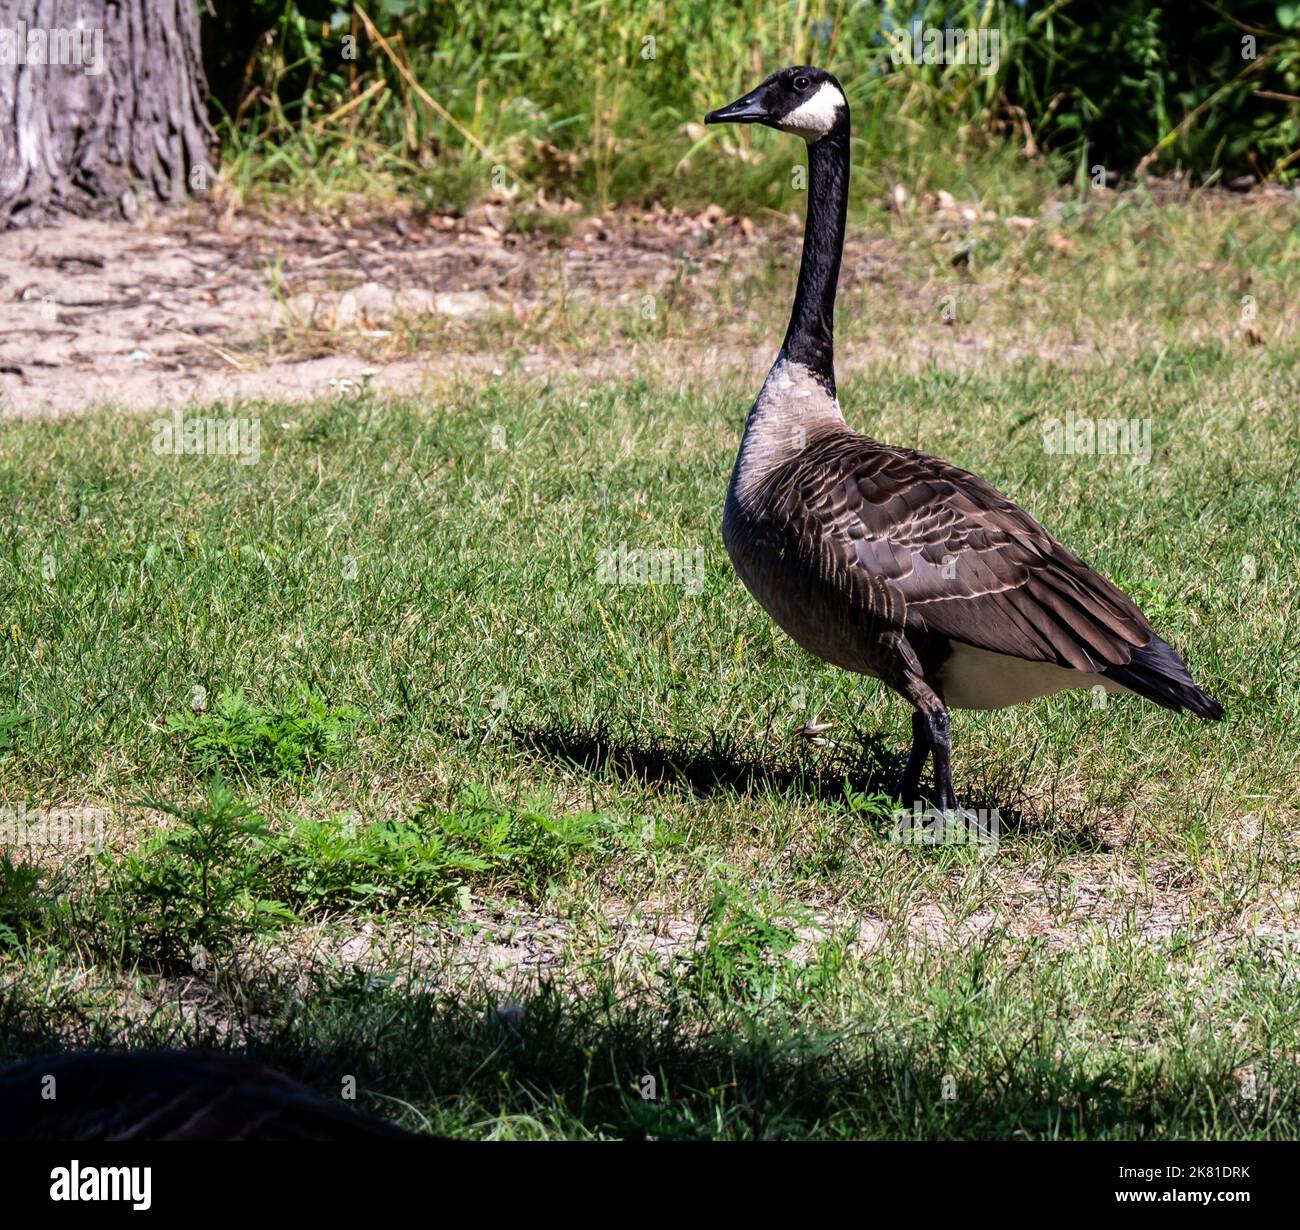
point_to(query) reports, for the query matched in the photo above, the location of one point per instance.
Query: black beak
(747, 110)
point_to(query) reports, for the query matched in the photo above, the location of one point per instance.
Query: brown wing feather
(966, 562)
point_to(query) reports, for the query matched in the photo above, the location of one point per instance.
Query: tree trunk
(102, 107)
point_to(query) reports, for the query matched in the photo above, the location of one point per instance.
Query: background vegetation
(597, 99)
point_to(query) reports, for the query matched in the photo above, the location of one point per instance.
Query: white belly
(978, 679)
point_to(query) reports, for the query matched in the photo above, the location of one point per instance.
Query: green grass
(506, 839)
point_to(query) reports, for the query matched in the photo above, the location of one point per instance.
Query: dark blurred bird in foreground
(170, 1095)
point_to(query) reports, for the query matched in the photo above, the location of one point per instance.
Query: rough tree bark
(124, 121)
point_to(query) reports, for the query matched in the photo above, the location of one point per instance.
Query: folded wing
(967, 564)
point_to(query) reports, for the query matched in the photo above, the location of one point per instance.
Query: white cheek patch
(815, 117)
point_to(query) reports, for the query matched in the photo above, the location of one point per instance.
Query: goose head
(807, 102)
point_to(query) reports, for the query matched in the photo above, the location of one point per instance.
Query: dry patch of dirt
(509, 950)
(506, 946)
(194, 307)
(201, 306)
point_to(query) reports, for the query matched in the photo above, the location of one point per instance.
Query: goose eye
(801, 83)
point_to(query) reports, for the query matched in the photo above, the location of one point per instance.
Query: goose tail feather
(1157, 672)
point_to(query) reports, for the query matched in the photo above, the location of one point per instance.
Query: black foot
(908, 787)
(941, 745)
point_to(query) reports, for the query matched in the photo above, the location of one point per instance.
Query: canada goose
(892, 563)
(169, 1095)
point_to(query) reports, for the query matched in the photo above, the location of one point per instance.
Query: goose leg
(930, 719)
(908, 789)
(941, 743)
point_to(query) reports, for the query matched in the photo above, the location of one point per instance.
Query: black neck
(810, 339)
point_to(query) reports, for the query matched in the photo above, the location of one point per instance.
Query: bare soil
(202, 307)
(209, 306)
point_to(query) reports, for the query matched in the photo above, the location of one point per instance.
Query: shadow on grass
(551, 1065)
(870, 766)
